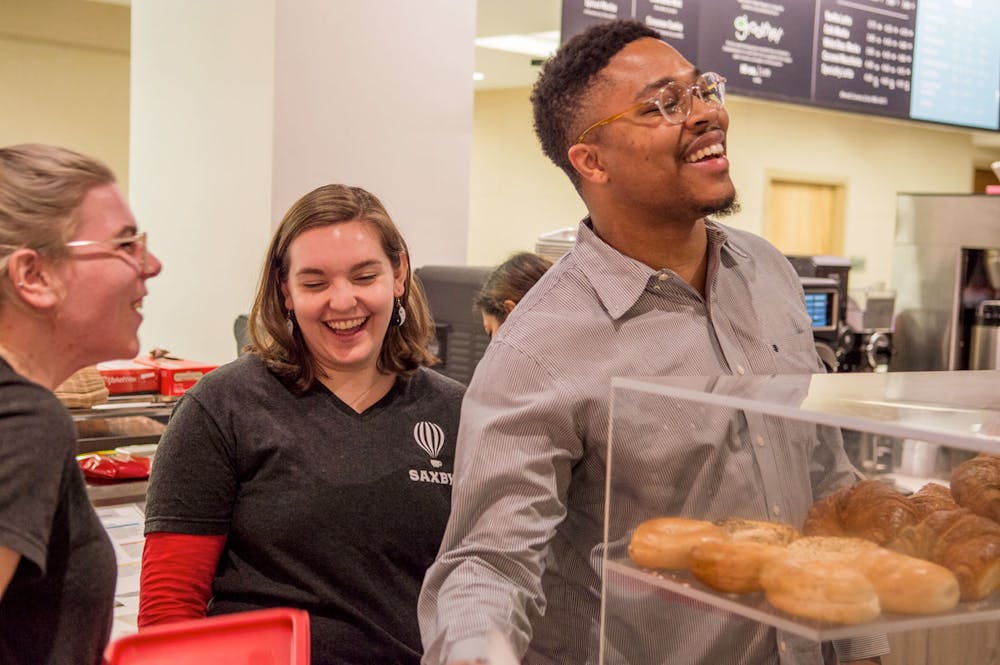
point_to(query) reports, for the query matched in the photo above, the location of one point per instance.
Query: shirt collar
(618, 280)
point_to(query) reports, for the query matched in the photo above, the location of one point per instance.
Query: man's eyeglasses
(674, 100)
(134, 246)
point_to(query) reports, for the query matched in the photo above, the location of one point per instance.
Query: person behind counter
(506, 285)
(73, 271)
(314, 471)
(653, 286)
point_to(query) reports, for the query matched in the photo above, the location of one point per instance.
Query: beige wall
(64, 77)
(234, 120)
(518, 194)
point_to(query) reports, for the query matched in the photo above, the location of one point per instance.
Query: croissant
(870, 509)
(975, 484)
(963, 542)
(930, 498)
(823, 518)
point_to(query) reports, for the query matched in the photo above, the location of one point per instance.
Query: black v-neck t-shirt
(324, 509)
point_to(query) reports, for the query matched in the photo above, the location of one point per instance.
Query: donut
(828, 591)
(908, 585)
(732, 566)
(770, 533)
(666, 542)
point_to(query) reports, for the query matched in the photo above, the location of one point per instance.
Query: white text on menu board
(888, 55)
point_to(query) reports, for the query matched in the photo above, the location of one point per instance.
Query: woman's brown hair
(404, 348)
(510, 281)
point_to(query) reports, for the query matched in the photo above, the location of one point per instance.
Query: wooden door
(805, 218)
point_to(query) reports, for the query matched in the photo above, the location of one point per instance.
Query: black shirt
(324, 509)
(58, 607)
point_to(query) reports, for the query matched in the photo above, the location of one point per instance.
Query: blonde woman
(73, 271)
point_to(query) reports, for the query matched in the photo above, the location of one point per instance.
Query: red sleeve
(175, 582)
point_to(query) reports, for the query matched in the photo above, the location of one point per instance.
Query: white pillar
(241, 106)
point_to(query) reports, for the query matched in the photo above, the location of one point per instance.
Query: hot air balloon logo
(430, 438)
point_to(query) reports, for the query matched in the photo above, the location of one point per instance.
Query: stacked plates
(554, 244)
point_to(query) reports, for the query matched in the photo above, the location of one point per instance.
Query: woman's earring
(290, 323)
(398, 313)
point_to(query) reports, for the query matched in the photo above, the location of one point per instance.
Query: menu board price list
(866, 55)
(888, 55)
(939, 61)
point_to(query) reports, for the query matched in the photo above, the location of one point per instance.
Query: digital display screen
(819, 306)
(930, 60)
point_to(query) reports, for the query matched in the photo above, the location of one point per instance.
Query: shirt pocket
(793, 343)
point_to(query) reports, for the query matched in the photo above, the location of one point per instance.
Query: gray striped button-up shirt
(523, 547)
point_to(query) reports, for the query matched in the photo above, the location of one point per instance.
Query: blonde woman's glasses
(134, 246)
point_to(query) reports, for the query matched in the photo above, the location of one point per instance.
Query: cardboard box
(122, 377)
(176, 374)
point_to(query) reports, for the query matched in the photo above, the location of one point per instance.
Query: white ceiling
(508, 17)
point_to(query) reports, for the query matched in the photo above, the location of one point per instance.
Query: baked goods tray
(754, 606)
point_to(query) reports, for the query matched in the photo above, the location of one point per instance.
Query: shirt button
(760, 440)
(781, 646)
(663, 277)
(740, 370)
(776, 510)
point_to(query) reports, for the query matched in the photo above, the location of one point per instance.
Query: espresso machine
(848, 339)
(946, 272)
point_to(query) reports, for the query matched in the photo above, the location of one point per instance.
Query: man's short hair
(565, 79)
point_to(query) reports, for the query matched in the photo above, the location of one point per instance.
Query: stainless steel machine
(847, 340)
(946, 272)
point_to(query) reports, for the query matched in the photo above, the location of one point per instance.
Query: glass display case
(764, 449)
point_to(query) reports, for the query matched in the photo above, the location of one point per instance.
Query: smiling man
(653, 286)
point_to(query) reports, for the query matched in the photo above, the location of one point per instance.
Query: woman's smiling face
(341, 286)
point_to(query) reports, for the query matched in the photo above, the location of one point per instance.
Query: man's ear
(586, 159)
(508, 305)
(33, 279)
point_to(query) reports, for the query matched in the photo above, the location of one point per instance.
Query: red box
(176, 374)
(128, 376)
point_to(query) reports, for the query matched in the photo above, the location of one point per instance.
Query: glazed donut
(828, 591)
(732, 566)
(843, 549)
(908, 585)
(666, 542)
(769, 533)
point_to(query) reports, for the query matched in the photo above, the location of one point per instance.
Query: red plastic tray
(262, 637)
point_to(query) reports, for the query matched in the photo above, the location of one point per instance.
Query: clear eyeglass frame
(674, 100)
(135, 246)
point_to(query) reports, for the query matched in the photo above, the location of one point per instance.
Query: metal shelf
(115, 493)
(156, 407)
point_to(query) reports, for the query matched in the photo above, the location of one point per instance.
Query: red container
(263, 637)
(176, 374)
(128, 376)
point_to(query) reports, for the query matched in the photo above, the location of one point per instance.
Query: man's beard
(721, 208)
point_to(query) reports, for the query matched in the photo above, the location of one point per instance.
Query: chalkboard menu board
(931, 60)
